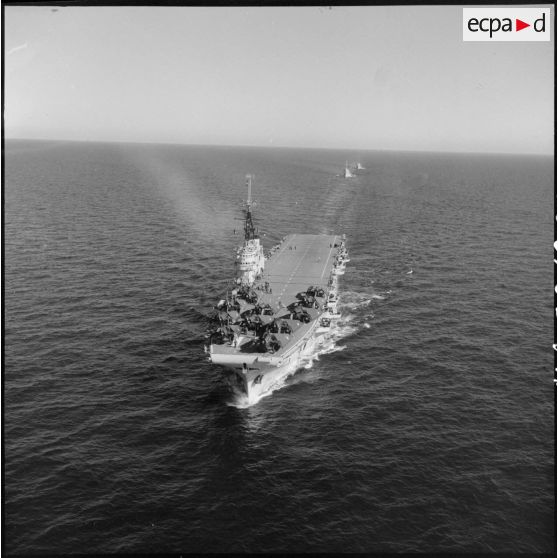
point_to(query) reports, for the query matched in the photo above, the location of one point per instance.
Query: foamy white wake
(347, 324)
(342, 327)
(242, 401)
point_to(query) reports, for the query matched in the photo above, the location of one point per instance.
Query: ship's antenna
(249, 184)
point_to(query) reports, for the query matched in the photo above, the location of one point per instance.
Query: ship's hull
(259, 377)
(268, 330)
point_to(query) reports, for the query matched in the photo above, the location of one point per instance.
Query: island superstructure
(282, 307)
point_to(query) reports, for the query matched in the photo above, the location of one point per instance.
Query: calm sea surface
(429, 429)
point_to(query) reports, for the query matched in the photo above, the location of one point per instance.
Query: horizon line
(273, 146)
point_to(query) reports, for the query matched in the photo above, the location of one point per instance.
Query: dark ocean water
(430, 429)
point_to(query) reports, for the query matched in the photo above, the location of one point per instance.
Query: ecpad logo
(506, 24)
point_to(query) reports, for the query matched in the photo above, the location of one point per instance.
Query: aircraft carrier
(282, 307)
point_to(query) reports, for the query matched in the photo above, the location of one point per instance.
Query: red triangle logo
(519, 25)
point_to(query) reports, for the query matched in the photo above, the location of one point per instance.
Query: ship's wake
(341, 328)
(356, 313)
(354, 301)
(242, 401)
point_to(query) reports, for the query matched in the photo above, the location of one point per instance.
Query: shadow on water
(218, 395)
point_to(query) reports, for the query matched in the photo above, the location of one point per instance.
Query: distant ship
(281, 309)
(360, 167)
(348, 173)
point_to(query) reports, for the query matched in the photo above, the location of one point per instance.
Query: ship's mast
(249, 229)
(249, 184)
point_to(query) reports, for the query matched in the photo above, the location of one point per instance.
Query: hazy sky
(365, 77)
